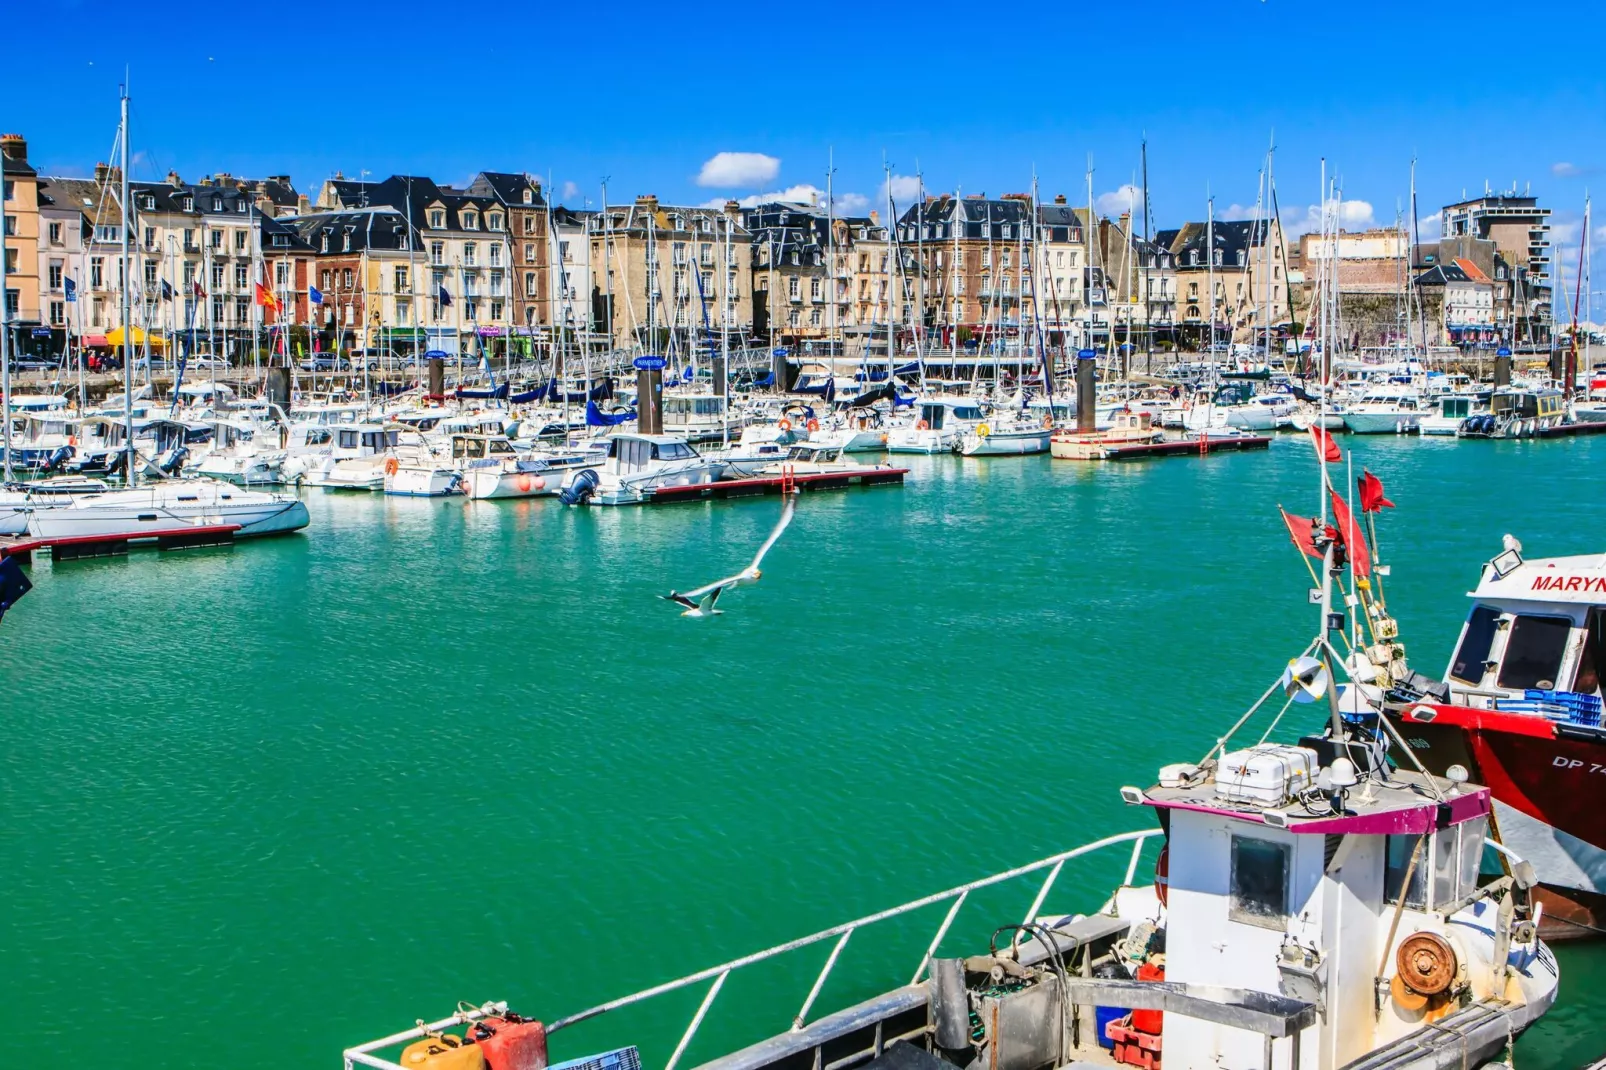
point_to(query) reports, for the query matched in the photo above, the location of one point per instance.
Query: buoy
(1162, 874)
(922, 426)
(983, 431)
(540, 484)
(813, 425)
(524, 484)
(785, 424)
(391, 466)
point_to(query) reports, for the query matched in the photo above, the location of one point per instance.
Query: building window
(217, 239)
(792, 288)
(345, 278)
(1259, 888)
(217, 276)
(281, 274)
(55, 234)
(471, 221)
(529, 221)
(496, 311)
(529, 252)
(494, 253)
(404, 310)
(529, 284)
(54, 275)
(494, 221)
(58, 313)
(437, 218)
(400, 279)
(242, 309)
(242, 276)
(470, 254)
(437, 252)
(217, 309)
(150, 273)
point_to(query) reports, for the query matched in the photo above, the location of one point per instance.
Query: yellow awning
(114, 338)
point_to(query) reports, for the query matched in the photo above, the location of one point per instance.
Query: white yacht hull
(144, 512)
(1439, 425)
(1006, 443)
(486, 484)
(1382, 423)
(1251, 418)
(423, 483)
(915, 440)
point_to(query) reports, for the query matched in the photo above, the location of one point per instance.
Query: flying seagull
(701, 602)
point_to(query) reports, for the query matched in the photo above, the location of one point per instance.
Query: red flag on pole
(1302, 530)
(1354, 540)
(1371, 489)
(266, 299)
(1326, 448)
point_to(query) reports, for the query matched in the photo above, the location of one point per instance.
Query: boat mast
(130, 477)
(1148, 260)
(1210, 268)
(891, 253)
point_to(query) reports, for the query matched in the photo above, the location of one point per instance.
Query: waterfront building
(663, 265)
(1457, 304)
(367, 267)
(1247, 261)
(792, 250)
(23, 311)
(571, 306)
(1519, 229)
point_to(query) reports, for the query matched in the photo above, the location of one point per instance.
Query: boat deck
(1185, 447)
(1583, 427)
(1407, 802)
(760, 485)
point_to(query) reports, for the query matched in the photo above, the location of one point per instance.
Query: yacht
(1518, 414)
(938, 427)
(415, 467)
(492, 468)
(1450, 411)
(242, 452)
(1385, 409)
(19, 501)
(637, 465)
(170, 505)
(1007, 436)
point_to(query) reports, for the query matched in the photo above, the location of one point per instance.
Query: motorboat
(637, 465)
(1450, 411)
(1130, 429)
(170, 505)
(698, 417)
(1517, 414)
(1385, 409)
(492, 468)
(415, 467)
(345, 456)
(939, 426)
(242, 453)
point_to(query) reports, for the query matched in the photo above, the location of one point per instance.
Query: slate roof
(1231, 237)
(370, 229)
(507, 187)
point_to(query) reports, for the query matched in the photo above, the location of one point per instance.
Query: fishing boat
(138, 512)
(1520, 705)
(1129, 429)
(1450, 411)
(1386, 409)
(635, 466)
(1311, 907)
(1517, 414)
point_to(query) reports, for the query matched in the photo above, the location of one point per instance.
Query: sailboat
(167, 505)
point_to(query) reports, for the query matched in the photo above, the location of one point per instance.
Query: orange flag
(266, 299)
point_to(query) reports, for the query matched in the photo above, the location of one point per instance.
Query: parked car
(324, 362)
(205, 363)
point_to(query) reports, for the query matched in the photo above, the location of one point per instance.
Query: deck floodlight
(1133, 796)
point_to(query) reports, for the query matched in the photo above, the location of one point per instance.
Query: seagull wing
(679, 599)
(712, 600)
(717, 585)
(786, 518)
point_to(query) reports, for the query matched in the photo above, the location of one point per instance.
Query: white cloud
(803, 193)
(728, 170)
(1126, 198)
(905, 191)
(570, 191)
(1352, 215)
(1430, 227)
(1564, 169)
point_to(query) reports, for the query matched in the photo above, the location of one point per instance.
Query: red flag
(1302, 530)
(1326, 448)
(198, 291)
(266, 299)
(1371, 488)
(1354, 540)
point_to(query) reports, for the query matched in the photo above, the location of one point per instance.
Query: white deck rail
(362, 1054)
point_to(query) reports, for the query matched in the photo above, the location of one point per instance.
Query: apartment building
(658, 270)
(1247, 260)
(793, 256)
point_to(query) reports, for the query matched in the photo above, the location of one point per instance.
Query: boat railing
(363, 1054)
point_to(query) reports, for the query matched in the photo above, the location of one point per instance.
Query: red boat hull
(1548, 782)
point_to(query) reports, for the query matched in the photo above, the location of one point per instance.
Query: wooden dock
(761, 485)
(1582, 427)
(80, 547)
(1186, 447)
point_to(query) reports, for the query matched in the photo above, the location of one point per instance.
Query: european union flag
(314, 295)
(446, 297)
(72, 289)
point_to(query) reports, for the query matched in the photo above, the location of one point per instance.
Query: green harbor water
(262, 803)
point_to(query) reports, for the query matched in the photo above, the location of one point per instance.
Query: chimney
(649, 201)
(1059, 198)
(875, 217)
(732, 207)
(173, 179)
(206, 180)
(14, 147)
(101, 171)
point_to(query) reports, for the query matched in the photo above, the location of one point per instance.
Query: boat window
(348, 440)
(1587, 680)
(1468, 666)
(1445, 869)
(967, 412)
(1473, 834)
(1259, 882)
(392, 437)
(318, 437)
(1398, 860)
(1534, 651)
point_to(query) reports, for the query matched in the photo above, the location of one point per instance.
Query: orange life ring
(785, 424)
(1048, 421)
(814, 425)
(922, 426)
(392, 465)
(1162, 874)
(72, 440)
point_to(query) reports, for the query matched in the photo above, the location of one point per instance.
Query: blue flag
(446, 297)
(72, 289)
(314, 295)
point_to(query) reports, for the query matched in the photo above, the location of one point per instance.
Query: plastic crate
(1580, 708)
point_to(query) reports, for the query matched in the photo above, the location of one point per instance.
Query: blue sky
(974, 96)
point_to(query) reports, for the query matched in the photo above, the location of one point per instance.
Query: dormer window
(1193, 258)
(323, 243)
(345, 244)
(471, 220)
(148, 203)
(189, 204)
(437, 218)
(1217, 258)
(493, 221)
(281, 241)
(529, 196)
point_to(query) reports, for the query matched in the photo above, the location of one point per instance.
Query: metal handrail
(1053, 863)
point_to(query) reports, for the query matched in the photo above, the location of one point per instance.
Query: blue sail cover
(388, 389)
(595, 417)
(527, 396)
(768, 380)
(903, 401)
(499, 393)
